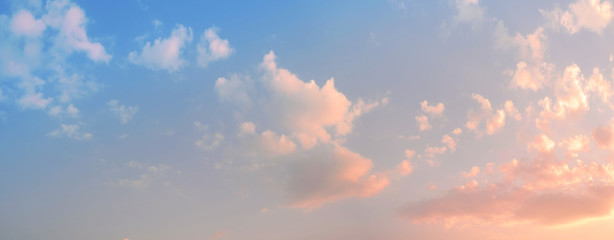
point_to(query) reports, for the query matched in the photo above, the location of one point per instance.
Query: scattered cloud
(125, 113)
(212, 48)
(70, 131)
(164, 53)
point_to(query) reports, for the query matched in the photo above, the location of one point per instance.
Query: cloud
(448, 141)
(69, 19)
(331, 173)
(208, 141)
(212, 48)
(234, 90)
(70, 131)
(512, 111)
(432, 110)
(147, 175)
(468, 11)
(475, 170)
(575, 144)
(540, 200)
(604, 136)
(23, 23)
(457, 131)
(423, 123)
(593, 15)
(597, 84)
(247, 128)
(36, 48)
(164, 54)
(70, 110)
(307, 110)
(274, 145)
(125, 113)
(495, 122)
(571, 100)
(474, 118)
(219, 234)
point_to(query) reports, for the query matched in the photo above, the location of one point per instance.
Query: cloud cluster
(36, 51)
(593, 15)
(307, 123)
(169, 53)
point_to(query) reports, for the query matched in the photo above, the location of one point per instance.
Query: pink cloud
(329, 174)
(432, 109)
(423, 123)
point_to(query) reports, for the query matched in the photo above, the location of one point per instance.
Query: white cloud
(212, 48)
(70, 131)
(165, 54)
(125, 113)
(234, 89)
(69, 19)
(24, 24)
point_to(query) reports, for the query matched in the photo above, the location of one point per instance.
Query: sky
(398, 119)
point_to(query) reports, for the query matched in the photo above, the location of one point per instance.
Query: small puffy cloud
(593, 15)
(405, 168)
(495, 122)
(212, 48)
(431, 152)
(432, 109)
(70, 110)
(274, 145)
(542, 144)
(457, 131)
(604, 137)
(70, 131)
(474, 118)
(147, 175)
(423, 123)
(23, 23)
(449, 141)
(165, 54)
(599, 85)
(331, 173)
(247, 128)
(208, 141)
(575, 144)
(125, 113)
(233, 89)
(571, 99)
(472, 173)
(511, 110)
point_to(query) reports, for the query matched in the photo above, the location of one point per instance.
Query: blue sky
(306, 120)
